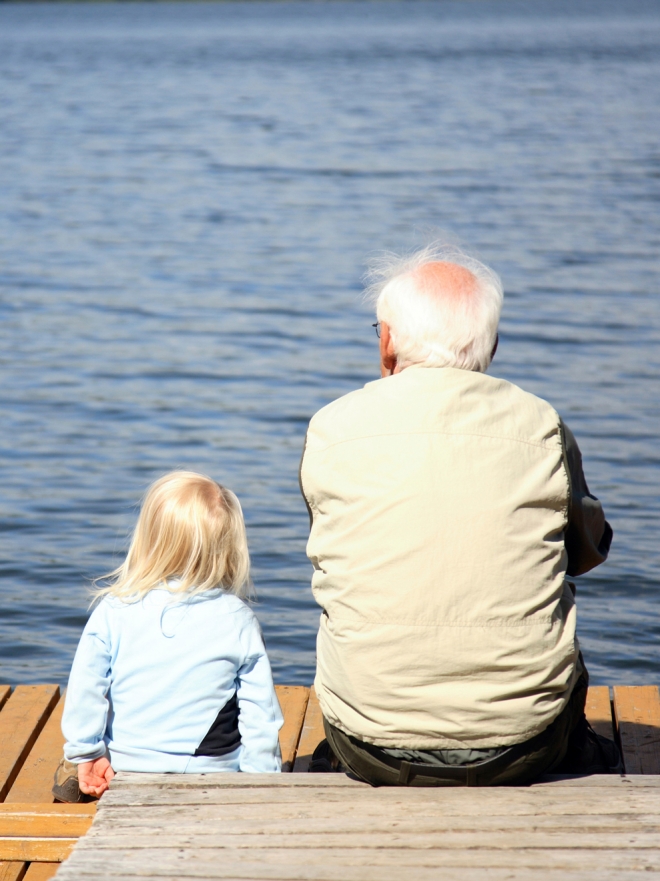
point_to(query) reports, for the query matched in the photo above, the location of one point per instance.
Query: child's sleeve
(86, 706)
(260, 717)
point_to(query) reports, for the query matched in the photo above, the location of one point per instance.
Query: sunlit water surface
(188, 197)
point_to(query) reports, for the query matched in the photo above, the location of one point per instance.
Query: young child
(171, 673)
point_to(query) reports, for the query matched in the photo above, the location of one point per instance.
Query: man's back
(439, 499)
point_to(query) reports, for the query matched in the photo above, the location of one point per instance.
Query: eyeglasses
(377, 326)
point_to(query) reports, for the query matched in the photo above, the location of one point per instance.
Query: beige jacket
(439, 501)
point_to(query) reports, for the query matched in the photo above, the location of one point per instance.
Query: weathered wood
(302, 821)
(445, 873)
(406, 846)
(456, 814)
(418, 802)
(46, 821)
(49, 850)
(330, 832)
(360, 864)
(312, 733)
(507, 817)
(21, 721)
(133, 781)
(392, 837)
(41, 871)
(35, 779)
(166, 782)
(598, 710)
(637, 711)
(479, 873)
(293, 702)
(448, 873)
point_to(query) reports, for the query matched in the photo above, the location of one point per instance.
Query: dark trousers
(516, 765)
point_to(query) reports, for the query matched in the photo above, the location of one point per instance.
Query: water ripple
(187, 200)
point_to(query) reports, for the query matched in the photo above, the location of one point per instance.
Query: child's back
(174, 672)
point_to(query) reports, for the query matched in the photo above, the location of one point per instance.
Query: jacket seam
(567, 470)
(472, 624)
(542, 446)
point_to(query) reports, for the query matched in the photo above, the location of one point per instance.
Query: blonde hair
(191, 530)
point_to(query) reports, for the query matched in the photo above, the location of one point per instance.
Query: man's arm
(300, 483)
(588, 535)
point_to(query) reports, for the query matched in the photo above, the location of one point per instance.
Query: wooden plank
(300, 821)
(48, 850)
(363, 864)
(21, 871)
(471, 821)
(572, 801)
(21, 721)
(312, 734)
(168, 783)
(389, 839)
(33, 784)
(320, 805)
(478, 873)
(46, 821)
(293, 702)
(569, 873)
(405, 847)
(12, 871)
(449, 873)
(35, 779)
(614, 797)
(598, 710)
(389, 833)
(41, 871)
(134, 781)
(5, 691)
(637, 711)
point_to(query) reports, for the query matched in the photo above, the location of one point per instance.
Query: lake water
(188, 196)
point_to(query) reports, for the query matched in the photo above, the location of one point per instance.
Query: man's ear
(388, 360)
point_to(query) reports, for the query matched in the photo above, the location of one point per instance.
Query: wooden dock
(326, 827)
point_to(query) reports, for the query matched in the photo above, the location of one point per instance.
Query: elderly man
(447, 508)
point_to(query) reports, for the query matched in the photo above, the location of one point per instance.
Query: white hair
(432, 330)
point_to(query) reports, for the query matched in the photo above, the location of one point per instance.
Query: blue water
(188, 196)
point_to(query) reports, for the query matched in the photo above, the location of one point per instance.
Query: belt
(468, 775)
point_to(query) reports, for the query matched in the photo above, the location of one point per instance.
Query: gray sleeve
(588, 535)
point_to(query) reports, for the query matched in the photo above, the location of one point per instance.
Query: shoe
(609, 753)
(590, 753)
(324, 761)
(65, 785)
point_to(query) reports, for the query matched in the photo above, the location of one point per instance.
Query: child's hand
(94, 777)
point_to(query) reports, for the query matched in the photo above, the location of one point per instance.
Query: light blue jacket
(150, 677)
